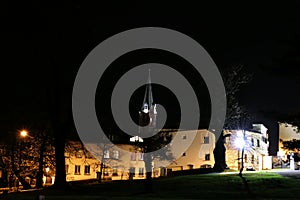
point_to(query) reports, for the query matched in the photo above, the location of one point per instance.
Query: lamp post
(240, 144)
(14, 152)
(23, 134)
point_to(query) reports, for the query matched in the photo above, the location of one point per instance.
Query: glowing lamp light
(23, 133)
(47, 169)
(240, 143)
(239, 133)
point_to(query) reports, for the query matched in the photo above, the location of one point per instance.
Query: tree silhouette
(234, 78)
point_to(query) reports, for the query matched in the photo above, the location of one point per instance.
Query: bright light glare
(47, 169)
(240, 143)
(23, 133)
(239, 133)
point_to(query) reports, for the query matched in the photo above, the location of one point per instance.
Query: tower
(148, 113)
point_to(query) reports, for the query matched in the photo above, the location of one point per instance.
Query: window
(67, 169)
(184, 154)
(105, 171)
(207, 156)
(206, 140)
(141, 156)
(132, 171)
(141, 171)
(132, 156)
(111, 137)
(257, 161)
(252, 142)
(252, 159)
(77, 169)
(0, 173)
(246, 158)
(106, 154)
(264, 139)
(116, 154)
(184, 137)
(258, 144)
(115, 171)
(87, 169)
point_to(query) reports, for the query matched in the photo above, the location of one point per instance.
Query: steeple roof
(148, 97)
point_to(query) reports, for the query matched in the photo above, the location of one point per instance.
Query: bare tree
(234, 78)
(149, 146)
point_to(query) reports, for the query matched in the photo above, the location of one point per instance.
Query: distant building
(285, 157)
(80, 163)
(199, 153)
(286, 132)
(129, 162)
(255, 143)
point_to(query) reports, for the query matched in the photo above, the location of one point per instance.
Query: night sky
(44, 45)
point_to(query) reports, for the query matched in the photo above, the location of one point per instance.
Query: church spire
(148, 97)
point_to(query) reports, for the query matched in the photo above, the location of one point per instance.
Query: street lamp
(23, 133)
(240, 143)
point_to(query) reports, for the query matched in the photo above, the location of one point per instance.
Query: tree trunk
(219, 155)
(242, 161)
(39, 177)
(148, 166)
(13, 167)
(60, 178)
(25, 185)
(101, 172)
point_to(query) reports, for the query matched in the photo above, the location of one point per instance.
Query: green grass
(263, 185)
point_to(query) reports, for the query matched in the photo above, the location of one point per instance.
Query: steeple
(148, 113)
(148, 97)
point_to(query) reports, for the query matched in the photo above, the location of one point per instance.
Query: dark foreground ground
(263, 185)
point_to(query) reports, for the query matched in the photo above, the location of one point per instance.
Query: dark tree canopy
(292, 145)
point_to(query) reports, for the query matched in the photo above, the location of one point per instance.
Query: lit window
(116, 154)
(132, 171)
(77, 169)
(87, 169)
(141, 171)
(207, 156)
(132, 156)
(141, 156)
(115, 171)
(106, 154)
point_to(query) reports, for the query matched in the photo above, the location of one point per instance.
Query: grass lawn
(263, 185)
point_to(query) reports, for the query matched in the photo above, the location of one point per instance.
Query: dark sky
(43, 46)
